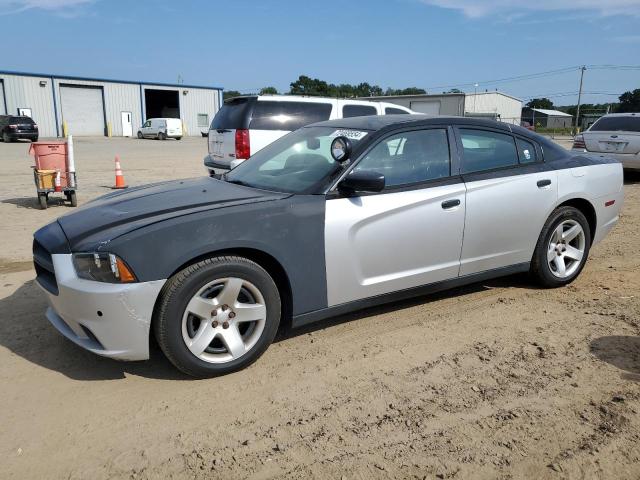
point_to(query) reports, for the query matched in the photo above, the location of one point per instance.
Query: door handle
(544, 183)
(447, 204)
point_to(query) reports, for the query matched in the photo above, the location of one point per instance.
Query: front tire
(562, 248)
(140, 136)
(217, 316)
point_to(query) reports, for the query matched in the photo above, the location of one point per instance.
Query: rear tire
(178, 138)
(162, 136)
(562, 248)
(217, 316)
(5, 138)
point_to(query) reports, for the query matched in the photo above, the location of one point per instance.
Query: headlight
(102, 267)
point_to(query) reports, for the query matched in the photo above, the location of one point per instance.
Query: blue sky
(245, 45)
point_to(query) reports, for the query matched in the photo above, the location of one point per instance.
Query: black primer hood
(114, 214)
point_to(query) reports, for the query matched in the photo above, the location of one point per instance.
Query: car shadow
(513, 281)
(631, 177)
(621, 351)
(32, 202)
(25, 331)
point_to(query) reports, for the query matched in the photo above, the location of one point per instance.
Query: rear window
(270, 115)
(394, 111)
(234, 114)
(21, 120)
(616, 124)
(358, 110)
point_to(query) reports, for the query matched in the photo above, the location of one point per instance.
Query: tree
(455, 90)
(405, 91)
(227, 94)
(540, 103)
(630, 101)
(310, 86)
(269, 91)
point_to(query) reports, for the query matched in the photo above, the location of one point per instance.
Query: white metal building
(92, 106)
(496, 105)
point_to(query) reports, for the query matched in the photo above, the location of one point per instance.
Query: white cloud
(511, 8)
(58, 6)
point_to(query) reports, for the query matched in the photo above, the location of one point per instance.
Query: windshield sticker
(351, 134)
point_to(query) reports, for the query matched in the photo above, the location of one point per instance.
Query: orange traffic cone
(119, 177)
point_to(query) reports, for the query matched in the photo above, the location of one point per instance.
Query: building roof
(105, 80)
(551, 113)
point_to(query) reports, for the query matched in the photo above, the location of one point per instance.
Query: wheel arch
(587, 209)
(265, 260)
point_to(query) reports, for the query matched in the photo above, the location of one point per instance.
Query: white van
(161, 128)
(247, 124)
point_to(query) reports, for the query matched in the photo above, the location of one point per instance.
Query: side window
(486, 150)
(147, 124)
(358, 110)
(409, 157)
(526, 151)
(394, 111)
(269, 115)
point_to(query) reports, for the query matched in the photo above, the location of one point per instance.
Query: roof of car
(377, 122)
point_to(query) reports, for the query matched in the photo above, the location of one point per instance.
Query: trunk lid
(235, 114)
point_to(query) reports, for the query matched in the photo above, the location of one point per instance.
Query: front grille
(45, 274)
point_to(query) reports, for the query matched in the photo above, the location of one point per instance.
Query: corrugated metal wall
(26, 92)
(509, 108)
(195, 101)
(23, 91)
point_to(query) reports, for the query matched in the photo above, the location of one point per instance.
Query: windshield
(295, 163)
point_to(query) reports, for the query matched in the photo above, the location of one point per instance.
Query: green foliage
(630, 101)
(315, 87)
(269, 91)
(230, 94)
(540, 103)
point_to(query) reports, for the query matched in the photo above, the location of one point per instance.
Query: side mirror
(362, 182)
(341, 149)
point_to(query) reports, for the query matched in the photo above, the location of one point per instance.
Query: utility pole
(582, 69)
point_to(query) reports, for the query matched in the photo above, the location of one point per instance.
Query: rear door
(614, 134)
(509, 196)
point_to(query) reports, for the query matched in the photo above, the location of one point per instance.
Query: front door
(408, 235)
(127, 126)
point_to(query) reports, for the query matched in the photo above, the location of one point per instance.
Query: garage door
(3, 107)
(431, 107)
(82, 109)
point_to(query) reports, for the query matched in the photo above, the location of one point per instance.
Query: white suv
(247, 124)
(617, 134)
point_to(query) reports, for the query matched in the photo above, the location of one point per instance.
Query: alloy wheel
(566, 249)
(224, 320)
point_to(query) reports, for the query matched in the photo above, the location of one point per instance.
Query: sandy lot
(495, 380)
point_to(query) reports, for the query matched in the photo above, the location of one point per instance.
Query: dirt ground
(495, 380)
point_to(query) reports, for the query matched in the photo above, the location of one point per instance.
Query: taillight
(578, 142)
(243, 148)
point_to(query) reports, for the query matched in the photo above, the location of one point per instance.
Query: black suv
(13, 128)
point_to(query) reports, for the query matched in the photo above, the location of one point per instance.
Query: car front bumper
(112, 320)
